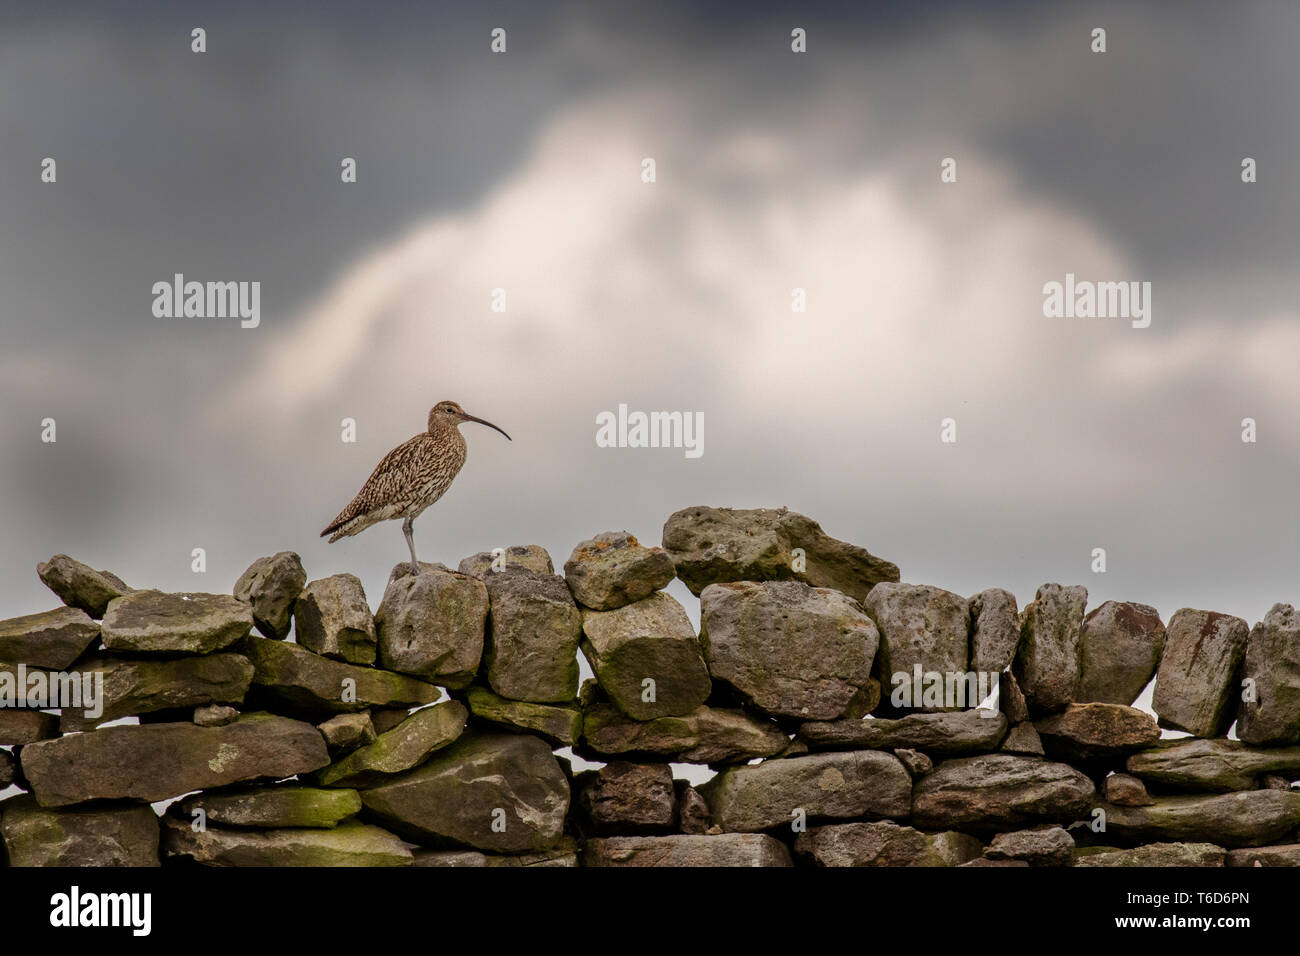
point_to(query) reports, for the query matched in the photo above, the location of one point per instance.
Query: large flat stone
(652, 641)
(276, 806)
(1000, 791)
(1047, 662)
(1196, 682)
(558, 724)
(1287, 854)
(500, 793)
(1246, 818)
(946, 734)
(95, 837)
(562, 856)
(531, 557)
(687, 850)
(152, 762)
(789, 649)
(831, 786)
(708, 735)
(143, 686)
(349, 844)
(1095, 731)
(50, 639)
(291, 675)
(1270, 716)
(883, 843)
(1153, 854)
(153, 622)
(1212, 765)
(716, 545)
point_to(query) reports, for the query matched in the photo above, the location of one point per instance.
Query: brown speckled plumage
(409, 478)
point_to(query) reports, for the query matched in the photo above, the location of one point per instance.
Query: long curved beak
(471, 418)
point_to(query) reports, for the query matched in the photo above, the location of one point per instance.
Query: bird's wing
(384, 494)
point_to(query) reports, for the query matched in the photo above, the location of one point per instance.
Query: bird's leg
(408, 530)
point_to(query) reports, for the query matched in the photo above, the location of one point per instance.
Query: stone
(1127, 791)
(271, 586)
(717, 545)
(613, 569)
(1245, 818)
(215, 715)
(1273, 781)
(626, 797)
(432, 626)
(994, 632)
(1196, 680)
(50, 639)
(651, 640)
(384, 719)
(1095, 731)
(279, 806)
(693, 814)
(8, 769)
(1288, 854)
(883, 843)
(984, 862)
(789, 649)
(287, 674)
(706, 735)
(332, 617)
(532, 638)
(923, 630)
(346, 732)
(153, 622)
(996, 791)
(1047, 663)
(1012, 699)
(830, 786)
(500, 793)
(92, 837)
(1272, 716)
(348, 844)
(1041, 846)
(530, 557)
(135, 686)
(1022, 739)
(558, 724)
(687, 850)
(18, 727)
(1119, 648)
(394, 751)
(157, 761)
(1153, 854)
(80, 586)
(916, 762)
(954, 732)
(1211, 765)
(562, 856)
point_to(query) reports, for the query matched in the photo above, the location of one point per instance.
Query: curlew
(409, 478)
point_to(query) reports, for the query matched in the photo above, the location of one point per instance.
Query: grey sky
(775, 170)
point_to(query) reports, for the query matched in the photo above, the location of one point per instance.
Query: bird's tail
(345, 525)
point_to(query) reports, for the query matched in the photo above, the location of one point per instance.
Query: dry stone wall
(849, 719)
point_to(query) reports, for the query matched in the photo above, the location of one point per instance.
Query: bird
(409, 478)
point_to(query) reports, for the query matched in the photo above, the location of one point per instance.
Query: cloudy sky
(522, 171)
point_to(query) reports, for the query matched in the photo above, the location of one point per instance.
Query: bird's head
(450, 414)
